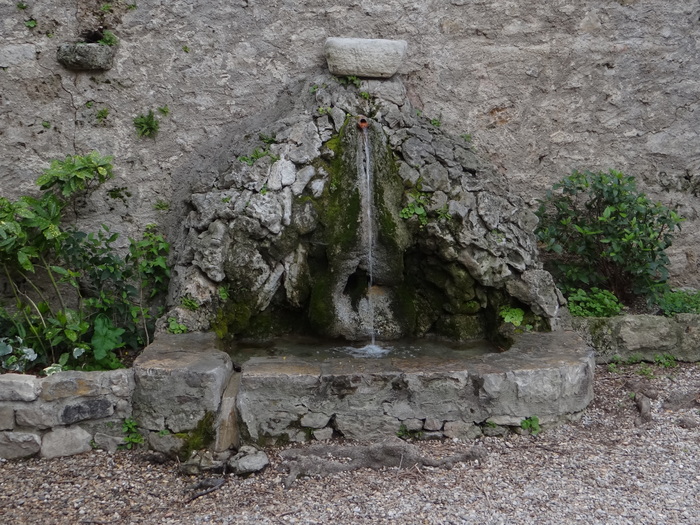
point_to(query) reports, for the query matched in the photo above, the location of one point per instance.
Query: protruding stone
(315, 420)
(15, 445)
(84, 56)
(323, 434)
(179, 378)
(108, 442)
(371, 58)
(248, 460)
(65, 442)
(19, 387)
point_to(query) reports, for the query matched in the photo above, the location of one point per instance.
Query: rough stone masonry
(542, 87)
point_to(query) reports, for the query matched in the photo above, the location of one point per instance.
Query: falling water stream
(367, 166)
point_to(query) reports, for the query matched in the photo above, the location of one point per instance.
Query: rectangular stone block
(71, 384)
(18, 387)
(37, 415)
(7, 418)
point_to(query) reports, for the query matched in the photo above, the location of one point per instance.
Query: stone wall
(63, 414)
(543, 87)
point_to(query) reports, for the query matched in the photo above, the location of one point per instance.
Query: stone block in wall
(179, 378)
(86, 56)
(461, 430)
(19, 387)
(37, 415)
(15, 445)
(7, 418)
(82, 409)
(69, 384)
(65, 442)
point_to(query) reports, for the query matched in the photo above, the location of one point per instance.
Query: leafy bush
(604, 232)
(679, 302)
(76, 301)
(596, 303)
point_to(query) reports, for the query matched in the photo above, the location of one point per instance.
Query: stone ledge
(642, 336)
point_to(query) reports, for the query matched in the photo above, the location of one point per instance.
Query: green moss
(200, 438)
(233, 318)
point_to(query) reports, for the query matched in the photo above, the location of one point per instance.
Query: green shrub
(76, 301)
(596, 303)
(679, 302)
(605, 233)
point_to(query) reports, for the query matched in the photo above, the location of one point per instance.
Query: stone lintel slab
(179, 378)
(372, 58)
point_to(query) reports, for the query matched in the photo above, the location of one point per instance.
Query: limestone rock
(19, 444)
(83, 56)
(7, 418)
(19, 387)
(372, 58)
(248, 460)
(179, 379)
(65, 442)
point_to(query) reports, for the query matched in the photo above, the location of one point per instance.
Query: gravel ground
(601, 469)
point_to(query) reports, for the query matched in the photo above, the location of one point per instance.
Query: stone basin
(274, 399)
(548, 375)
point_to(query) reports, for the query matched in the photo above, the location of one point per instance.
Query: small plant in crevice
(21, 6)
(164, 110)
(467, 137)
(122, 193)
(594, 303)
(665, 360)
(416, 207)
(132, 436)
(161, 205)
(324, 110)
(514, 316)
(108, 39)
(186, 49)
(634, 359)
(106, 8)
(223, 293)
(102, 115)
(404, 433)
(46, 124)
(267, 139)
(189, 303)
(31, 23)
(147, 125)
(131, 7)
(175, 327)
(349, 80)
(436, 122)
(256, 155)
(365, 95)
(531, 424)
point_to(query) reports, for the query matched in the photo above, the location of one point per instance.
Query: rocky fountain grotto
(347, 216)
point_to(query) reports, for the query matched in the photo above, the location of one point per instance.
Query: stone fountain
(350, 216)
